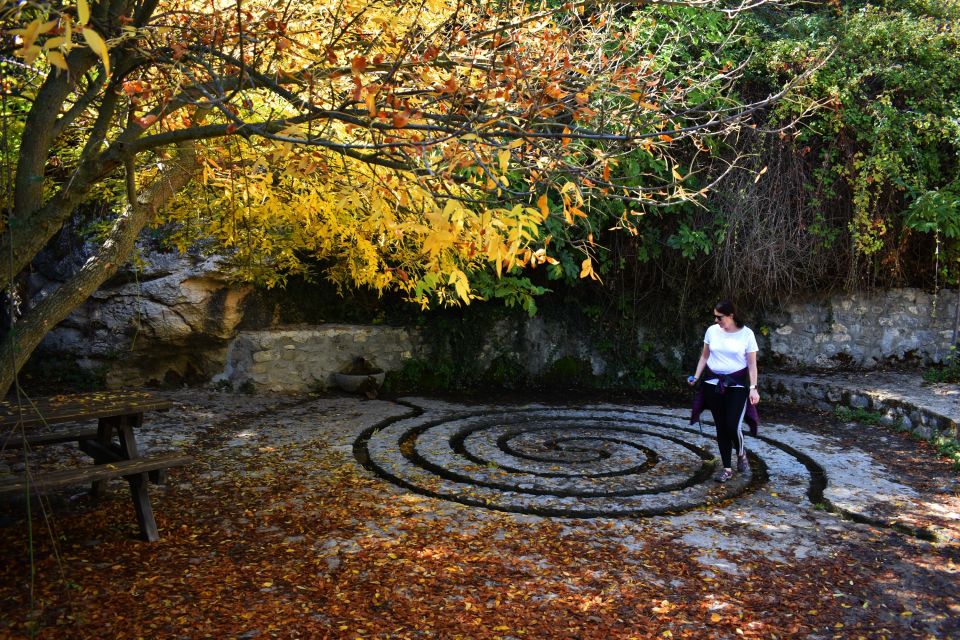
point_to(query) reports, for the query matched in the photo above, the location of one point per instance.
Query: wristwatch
(753, 386)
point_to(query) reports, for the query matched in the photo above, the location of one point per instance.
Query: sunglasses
(717, 318)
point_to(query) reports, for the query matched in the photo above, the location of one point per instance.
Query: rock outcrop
(168, 321)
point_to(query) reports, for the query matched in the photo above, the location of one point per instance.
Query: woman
(728, 366)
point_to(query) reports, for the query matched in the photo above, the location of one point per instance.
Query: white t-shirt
(728, 351)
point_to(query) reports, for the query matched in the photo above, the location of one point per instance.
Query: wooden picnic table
(111, 443)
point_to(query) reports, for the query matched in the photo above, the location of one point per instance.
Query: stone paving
(808, 492)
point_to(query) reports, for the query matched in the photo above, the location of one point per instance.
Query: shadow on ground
(335, 517)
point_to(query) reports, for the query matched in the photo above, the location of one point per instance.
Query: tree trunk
(29, 331)
(32, 222)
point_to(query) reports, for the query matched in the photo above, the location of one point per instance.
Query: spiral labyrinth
(582, 462)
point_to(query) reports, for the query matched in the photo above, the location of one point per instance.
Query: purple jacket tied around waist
(751, 417)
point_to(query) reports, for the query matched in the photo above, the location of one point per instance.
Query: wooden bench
(112, 445)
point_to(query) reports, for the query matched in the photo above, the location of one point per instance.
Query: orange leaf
(147, 120)
(543, 205)
(586, 269)
(401, 118)
(358, 64)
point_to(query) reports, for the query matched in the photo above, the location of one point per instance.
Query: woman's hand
(754, 396)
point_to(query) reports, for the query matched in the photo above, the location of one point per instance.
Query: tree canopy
(413, 142)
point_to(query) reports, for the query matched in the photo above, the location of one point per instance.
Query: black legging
(727, 409)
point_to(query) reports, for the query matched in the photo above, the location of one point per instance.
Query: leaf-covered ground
(269, 536)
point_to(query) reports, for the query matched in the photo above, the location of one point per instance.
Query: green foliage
(421, 376)
(505, 372)
(47, 373)
(948, 372)
(863, 416)
(514, 290)
(569, 372)
(938, 212)
(646, 378)
(887, 131)
(949, 448)
(690, 242)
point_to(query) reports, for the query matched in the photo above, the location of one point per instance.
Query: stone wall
(854, 331)
(180, 320)
(293, 359)
(862, 331)
(305, 358)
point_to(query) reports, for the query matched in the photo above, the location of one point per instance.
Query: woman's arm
(701, 363)
(752, 368)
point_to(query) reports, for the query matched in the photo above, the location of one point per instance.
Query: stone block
(263, 356)
(859, 401)
(924, 431)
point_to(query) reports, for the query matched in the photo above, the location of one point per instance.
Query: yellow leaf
(29, 54)
(462, 286)
(83, 12)
(715, 617)
(542, 204)
(99, 47)
(586, 268)
(503, 156)
(29, 35)
(56, 59)
(54, 43)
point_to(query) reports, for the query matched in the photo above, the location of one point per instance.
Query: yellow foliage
(381, 228)
(381, 138)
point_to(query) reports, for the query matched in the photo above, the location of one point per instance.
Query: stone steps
(928, 410)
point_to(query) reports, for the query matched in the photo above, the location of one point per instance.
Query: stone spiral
(568, 462)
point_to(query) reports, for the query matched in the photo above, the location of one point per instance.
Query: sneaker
(724, 475)
(743, 465)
